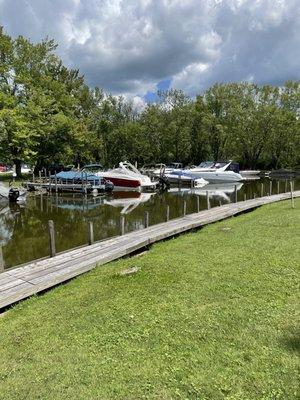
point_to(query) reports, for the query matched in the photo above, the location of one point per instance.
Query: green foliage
(209, 315)
(49, 115)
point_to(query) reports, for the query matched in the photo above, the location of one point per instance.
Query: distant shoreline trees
(49, 115)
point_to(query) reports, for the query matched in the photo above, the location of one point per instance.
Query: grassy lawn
(209, 315)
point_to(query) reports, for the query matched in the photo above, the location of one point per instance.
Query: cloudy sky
(134, 47)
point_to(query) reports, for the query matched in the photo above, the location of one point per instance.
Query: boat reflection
(128, 200)
(220, 191)
(8, 218)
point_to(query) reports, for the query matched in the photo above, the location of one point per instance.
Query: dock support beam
(292, 194)
(146, 219)
(207, 200)
(1, 259)
(122, 223)
(51, 238)
(91, 232)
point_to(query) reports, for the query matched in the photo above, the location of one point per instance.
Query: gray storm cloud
(127, 47)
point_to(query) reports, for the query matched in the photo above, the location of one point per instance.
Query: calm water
(24, 227)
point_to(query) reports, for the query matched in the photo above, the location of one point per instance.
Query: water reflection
(24, 228)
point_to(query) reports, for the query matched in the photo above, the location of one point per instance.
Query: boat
(163, 169)
(249, 173)
(11, 194)
(216, 171)
(125, 177)
(73, 181)
(180, 177)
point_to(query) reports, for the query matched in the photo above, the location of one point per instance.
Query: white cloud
(126, 47)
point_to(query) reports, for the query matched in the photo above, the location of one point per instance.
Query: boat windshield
(206, 164)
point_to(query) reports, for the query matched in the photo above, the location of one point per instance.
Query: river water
(24, 227)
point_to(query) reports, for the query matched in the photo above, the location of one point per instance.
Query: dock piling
(292, 194)
(262, 190)
(90, 232)
(270, 191)
(278, 187)
(51, 238)
(146, 219)
(122, 223)
(235, 193)
(1, 259)
(184, 208)
(168, 213)
(207, 200)
(198, 204)
(245, 196)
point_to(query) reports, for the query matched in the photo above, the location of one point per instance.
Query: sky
(136, 47)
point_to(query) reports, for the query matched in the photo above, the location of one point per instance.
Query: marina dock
(21, 282)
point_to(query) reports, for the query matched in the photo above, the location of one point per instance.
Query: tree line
(49, 115)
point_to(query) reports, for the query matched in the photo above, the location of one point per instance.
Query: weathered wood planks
(19, 283)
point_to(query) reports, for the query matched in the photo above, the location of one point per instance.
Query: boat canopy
(77, 176)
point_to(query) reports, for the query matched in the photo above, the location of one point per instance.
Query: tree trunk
(18, 168)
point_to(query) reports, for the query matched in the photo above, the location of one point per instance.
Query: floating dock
(24, 281)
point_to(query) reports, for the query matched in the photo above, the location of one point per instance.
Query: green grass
(210, 315)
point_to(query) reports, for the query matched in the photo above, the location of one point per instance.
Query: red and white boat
(127, 177)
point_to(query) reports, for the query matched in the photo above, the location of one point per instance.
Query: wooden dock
(19, 283)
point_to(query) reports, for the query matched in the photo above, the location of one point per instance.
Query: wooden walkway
(19, 283)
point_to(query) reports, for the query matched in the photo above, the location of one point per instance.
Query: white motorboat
(249, 173)
(183, 178)
(126, 177)
(216, 172)
(163, 169)
(11, 194)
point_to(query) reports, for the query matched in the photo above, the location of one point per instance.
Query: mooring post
(49, 181)
(207, 200)
(168, 213)
(55, 182)
(146, 219)
(91, 232)
(122, 223)
(245, 196)
(1, 259)
(235, 193)
(33, 177)
(51, 238)
(184, 208)
(292, 194)
(40, 176)
(278, 187)
(262, 190)
(198, 204)
(220, 203)
(285, 186)
(270, 188)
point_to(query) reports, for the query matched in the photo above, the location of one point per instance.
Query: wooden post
(220, 203)
(122, 223)
(1, 259)
(146, 219)
(184, 208)
(207, 200)
(198, 204)
(40, 175)
(168, 213)
(49, 181)
(285, 186)
(33, 177)
(270, 188)
(245, 196)
(91, 232)
(254, 196)
(55, 182)
(235, 193)
(278, 187)
(51, 238)
(262, 190)
(292, 194)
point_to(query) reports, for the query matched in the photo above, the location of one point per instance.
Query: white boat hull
(215, 176)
